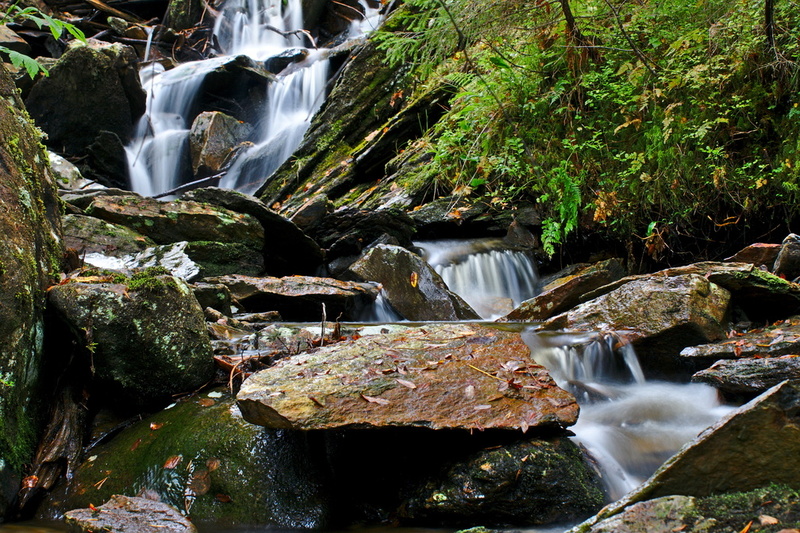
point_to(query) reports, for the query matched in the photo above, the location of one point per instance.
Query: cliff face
(29, 259)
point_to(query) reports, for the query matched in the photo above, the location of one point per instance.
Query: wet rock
(759, 294)
(301, 298)
(530, 482)
(147, 337)
(312, 212)
(237, 87)
(659, 315)
(212, 138)
(67, 175)
(171, 257)
(200, 456)
(287, 250)
(93, 87)
(12, 41)
(787, 264)
(81, 199)
(92, 235)
(449, 376)
(170, 222)
(277, 63)
(30, 258)
(451, 217)
(348, 232)
(662, 515)
(565, 291)
(132, 515)
(782, 338)
(223, 258)
(758, 254)
(750, 375)
(108, 161)
(213, 295)
(411, 285)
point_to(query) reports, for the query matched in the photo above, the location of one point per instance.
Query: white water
(491, 279)
(158, 155)
(629, 425)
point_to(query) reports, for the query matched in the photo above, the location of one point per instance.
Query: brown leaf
(206, 402)
(212, 464)
(200, 482)
(406, 383)
(747, 527)
(316, 402)
(173, 461)
(223, 498)
(136, 444)
(154, 426)
(373, 399)
(767, 520)
(30, 482)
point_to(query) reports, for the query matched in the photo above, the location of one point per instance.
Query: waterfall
(158, 155)
(629, 425)
(492, 279)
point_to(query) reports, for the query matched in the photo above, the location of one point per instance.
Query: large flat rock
(458, 376)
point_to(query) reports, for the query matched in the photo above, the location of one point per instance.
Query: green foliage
(682, 115)
(42, 20)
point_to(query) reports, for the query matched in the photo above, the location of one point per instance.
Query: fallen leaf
(316, 402)
(212, 464)
(173, 461)
(414, 279)
(206, 402)
(200, 482)
(767, 520)
(154, 426)
(469, 391)
(30, 482)
(747, 527)
(373, 399)
(136, 444)
(406, 383)
(482, 407)
(223, 498)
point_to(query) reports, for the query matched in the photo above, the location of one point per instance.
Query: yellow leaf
(414, 279)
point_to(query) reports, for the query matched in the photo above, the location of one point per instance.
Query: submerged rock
(659, 315)
(530, 482)
(132, 515)
(301, 298)
(147, 339)
(411, 285)
(439, 376)
(565, 291)
(30, 258)
(200, 456)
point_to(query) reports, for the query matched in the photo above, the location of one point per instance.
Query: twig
(484, 372)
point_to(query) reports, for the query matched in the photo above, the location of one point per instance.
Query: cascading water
(158, 155)
(492, 279)
(629, 425)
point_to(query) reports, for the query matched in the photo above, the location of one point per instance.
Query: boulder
(93, 87)
(200, 456)
(300, 298)
(661, 515)
(529, 482)
(12, 41)
(453, 376)
(311, 213)
(212, 138)
(277, 63)
(787, 264)
(758, 254)
(132, 515)
(146, 335)
(224, 258)
(213, 295)
(67, 175)
(751, 375)
(659, 315)
(565, 291)
(754, 446)
(92, 235)
(412, 286)
(30, 258)
(171, 257)
(170, 222)
(287, 250)
(107, 161)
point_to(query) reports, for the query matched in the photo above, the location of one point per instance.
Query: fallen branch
(102, 6)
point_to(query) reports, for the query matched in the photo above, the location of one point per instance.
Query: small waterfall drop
(629, 425)
(492, 279)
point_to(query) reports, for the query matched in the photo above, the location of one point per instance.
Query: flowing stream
(158, 155)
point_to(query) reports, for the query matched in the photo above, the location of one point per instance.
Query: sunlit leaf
(206, 402)
(155, 425)
(414, 279)
(172, 462)
(373, 399)
(406, 383)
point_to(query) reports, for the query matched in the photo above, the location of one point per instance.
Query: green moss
(150, 279)
(732, 512)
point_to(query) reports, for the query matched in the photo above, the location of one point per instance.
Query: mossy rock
(30, 258)
(147, 338)
(223, 258)
(89, 234)
(201, 457)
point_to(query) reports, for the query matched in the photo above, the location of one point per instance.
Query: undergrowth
(646, 119)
